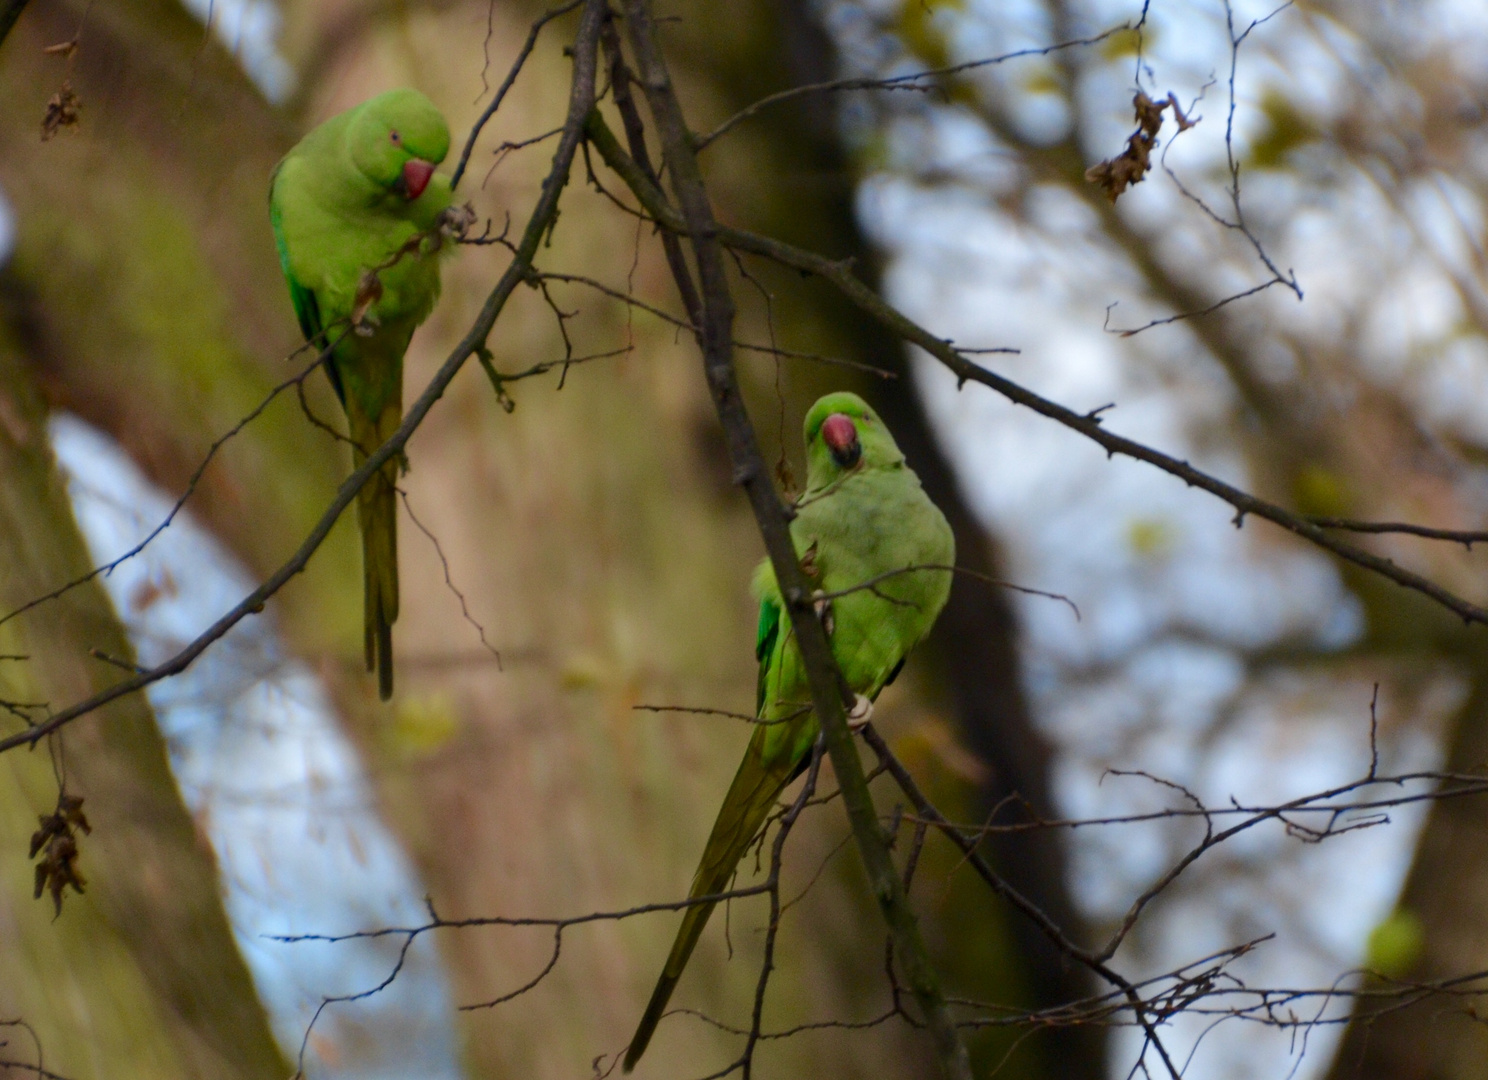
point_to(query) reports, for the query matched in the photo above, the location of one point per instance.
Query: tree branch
(840, 275)
(912, 81)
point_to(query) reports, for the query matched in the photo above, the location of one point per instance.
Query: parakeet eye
(396, 138)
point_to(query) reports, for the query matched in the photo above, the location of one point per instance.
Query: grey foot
(824, 612)
(859, 715)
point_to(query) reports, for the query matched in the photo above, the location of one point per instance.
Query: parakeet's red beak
(841, 436)
(416, 173)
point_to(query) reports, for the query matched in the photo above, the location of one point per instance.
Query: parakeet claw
(859, 715)
(369, 291)
(824, 611)
(456, 221)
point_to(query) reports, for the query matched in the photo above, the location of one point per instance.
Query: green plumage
(359, 247)
(863, 515)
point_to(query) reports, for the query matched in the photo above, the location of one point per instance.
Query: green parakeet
(357, 210)
(863, 515)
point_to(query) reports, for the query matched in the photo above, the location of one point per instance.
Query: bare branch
(449, 581)
(1465, 537)
(946, 568)
(746, 717)
(897, 82)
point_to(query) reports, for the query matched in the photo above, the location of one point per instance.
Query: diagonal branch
(105, 569)
(840, 275)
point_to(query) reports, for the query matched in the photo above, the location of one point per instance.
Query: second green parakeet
(863, 516)
(357, 210)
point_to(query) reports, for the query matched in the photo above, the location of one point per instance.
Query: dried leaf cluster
(57, 842)
(1117, 174)
(63, 110)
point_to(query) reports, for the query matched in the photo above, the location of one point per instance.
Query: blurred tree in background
(592, 536)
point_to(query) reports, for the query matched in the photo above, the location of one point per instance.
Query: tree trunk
(140, 976)
(1447, 890)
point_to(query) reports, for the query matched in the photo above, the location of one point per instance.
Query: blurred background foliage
(595, 537)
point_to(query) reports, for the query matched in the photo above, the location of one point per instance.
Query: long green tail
(377, 513)
(755, 788)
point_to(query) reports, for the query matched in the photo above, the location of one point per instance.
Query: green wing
(306, 307)
(764, 646)
(756, 786)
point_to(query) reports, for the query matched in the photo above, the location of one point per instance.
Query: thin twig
(109, 567)
(633, 301)
(767, 965)
(449, 581)
(1096, 963)
(947, 568)
(1465, 537)
(506, 84)
(897, 82)
(746, 717)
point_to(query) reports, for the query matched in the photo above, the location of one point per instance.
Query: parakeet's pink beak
(416, 173)
(841, 436)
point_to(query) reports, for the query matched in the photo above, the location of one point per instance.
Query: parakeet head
(396, 139)
(842, 435)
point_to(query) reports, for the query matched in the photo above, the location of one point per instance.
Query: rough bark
(1447, 890)
(140, 976)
